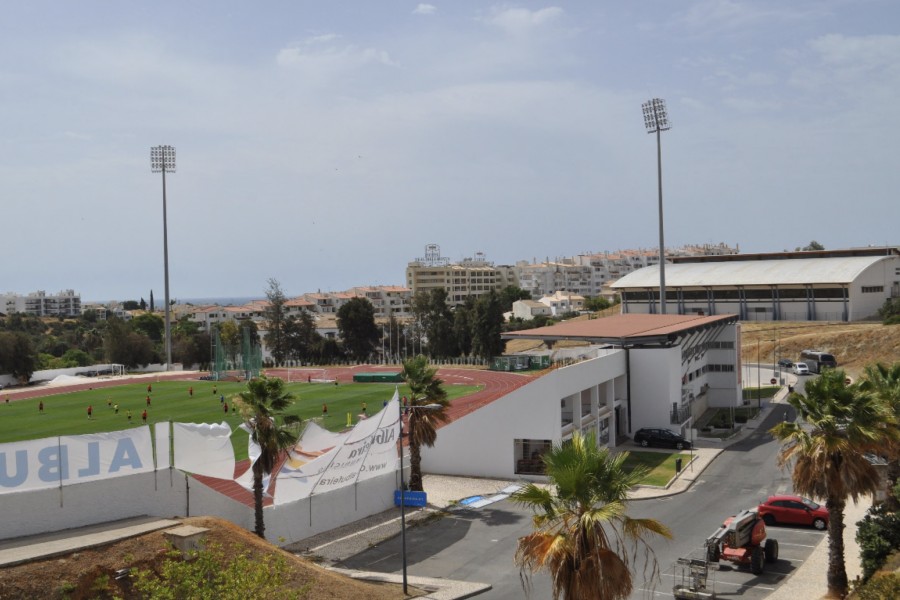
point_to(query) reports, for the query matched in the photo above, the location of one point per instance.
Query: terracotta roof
(627, 328)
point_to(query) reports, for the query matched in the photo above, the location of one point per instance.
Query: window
(872, 289)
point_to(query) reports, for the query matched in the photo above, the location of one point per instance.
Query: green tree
(487, 326)
(436, 320)
(597, 303)
(813, 245)
(275, 315)
(125, 346)
(230, 336)
(261, 406)
(130, 305)
(582, 535)
(17, 355)
(150, 325)
(837, 425)
(302, 337)
(510, 294)
(422, 423)
(463, 325)
(883, 382)
(356, 324)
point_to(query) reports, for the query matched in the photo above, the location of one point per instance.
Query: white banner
(161, 443)
(204, 449)
(51, 462)
(365, 453)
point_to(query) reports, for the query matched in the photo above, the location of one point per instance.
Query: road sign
(411, 498)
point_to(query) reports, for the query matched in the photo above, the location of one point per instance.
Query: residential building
(40, 304)
(470, 277)
(561, 303)
(529, 309)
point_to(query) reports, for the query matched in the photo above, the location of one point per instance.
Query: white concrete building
(642, 371)
(470, 277)
(41, 304)
(529, 309)
(827, 285)
(560, 302)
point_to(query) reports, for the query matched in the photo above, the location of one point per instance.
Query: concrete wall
(655, 385)
(168, 494)
(481, 444)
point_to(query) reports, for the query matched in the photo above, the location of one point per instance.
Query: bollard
(678, 465)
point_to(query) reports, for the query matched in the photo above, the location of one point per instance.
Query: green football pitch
(66, 414)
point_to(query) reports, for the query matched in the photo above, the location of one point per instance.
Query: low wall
(168, 493)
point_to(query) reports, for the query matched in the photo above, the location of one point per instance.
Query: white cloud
(521, 21)
(324, 58)
(862, 53)
(710, 16)
(425, 9)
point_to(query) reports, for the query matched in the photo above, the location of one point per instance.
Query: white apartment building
(590, 273)
(561, 303)
(40, 304)
(470, 277)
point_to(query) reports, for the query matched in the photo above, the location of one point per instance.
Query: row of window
(872, 289)
(738, 295)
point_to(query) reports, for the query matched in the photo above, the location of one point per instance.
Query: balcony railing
(679, 415)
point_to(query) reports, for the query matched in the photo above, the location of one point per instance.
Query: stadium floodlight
(657, 120)
(162, 160)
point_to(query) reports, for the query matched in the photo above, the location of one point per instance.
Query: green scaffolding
(229, 362)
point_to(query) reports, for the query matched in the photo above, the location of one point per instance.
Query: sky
(325, 144)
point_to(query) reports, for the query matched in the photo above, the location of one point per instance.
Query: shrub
(880, 587)
(878, 535)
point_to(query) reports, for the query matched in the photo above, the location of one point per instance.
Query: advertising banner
(66, 460)
(204, 449)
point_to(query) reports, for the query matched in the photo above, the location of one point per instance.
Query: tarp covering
(204, 449)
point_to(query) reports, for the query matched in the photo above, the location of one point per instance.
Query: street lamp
(657, 120)
(403, 483)
(162, 159)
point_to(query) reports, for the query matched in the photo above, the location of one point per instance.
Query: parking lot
(795, 546)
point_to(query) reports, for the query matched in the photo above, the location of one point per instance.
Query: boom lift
(742, 539)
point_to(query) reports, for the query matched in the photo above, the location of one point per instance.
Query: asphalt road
(479, 545)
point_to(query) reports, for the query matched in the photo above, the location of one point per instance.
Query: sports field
(66, 414)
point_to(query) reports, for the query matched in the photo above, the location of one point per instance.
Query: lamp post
(162, 159)
(411, 407)
(656, 120)
(758, 382)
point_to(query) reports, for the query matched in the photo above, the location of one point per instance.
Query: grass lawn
(661, 465)
(66, 414)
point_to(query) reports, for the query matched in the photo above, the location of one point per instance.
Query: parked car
(660, 437)
(785, 363)
(800, 368)
(793, 510)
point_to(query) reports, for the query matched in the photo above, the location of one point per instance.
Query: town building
(635, 371)
(824, 285)
(561, 303)
(40, 304)
(470, 277)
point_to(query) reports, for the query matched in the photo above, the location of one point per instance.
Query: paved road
(478, 545)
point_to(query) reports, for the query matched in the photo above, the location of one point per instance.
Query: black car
(660, 437)
(785, 363)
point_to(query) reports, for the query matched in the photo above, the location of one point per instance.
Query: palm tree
(260, 406)
(883, 382)
(582, 537)
(426, 389)
(838, 424)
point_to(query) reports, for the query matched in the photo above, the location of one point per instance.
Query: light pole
(162, 159)
(657, 120)
(758, 382)
(411, 407)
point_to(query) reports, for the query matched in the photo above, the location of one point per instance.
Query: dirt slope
(81, 575)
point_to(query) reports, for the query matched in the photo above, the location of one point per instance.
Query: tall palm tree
(425, 389)
(883, 382)
(582, 537)
(838, 424)
(261, 406)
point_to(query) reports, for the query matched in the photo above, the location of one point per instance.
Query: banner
(66, 460)
(367, 451)
(204, 449)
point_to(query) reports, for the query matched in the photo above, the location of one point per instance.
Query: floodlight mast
(162, 159)
(657, 120)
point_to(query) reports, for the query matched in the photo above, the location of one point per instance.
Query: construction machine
(742, 539)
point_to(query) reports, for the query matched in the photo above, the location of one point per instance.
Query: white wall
(884, 273)
(655, 385)
(165, 494)
(481, 444)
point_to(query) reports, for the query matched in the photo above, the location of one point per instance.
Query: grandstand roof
(788, 271)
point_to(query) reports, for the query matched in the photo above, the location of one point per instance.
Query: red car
(793, 510)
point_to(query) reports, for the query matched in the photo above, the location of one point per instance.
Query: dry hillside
(90, 573)
(854, 344)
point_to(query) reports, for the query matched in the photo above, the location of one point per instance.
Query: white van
(800, 368)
